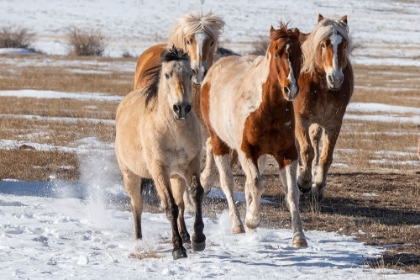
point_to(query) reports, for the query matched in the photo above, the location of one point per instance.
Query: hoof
(187, 245)
(179, 253)
(199, 246)
(302, 189)
(299, 242)
(238, 229)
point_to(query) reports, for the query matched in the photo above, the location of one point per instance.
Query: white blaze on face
(291, 76)
(200, 38)
(335, 39)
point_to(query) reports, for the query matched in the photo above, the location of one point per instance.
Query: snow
(383, 31)
(65, 237)
(62, 230)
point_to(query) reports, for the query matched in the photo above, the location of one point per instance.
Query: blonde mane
(324, 29)
(194, 22)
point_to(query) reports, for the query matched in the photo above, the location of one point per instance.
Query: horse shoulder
(148, 59)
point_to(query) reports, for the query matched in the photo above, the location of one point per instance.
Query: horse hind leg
(209, 173)
(132, 184)
(179, 189)
(288, 180)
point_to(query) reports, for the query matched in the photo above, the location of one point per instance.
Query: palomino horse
(326, 86)
(158, 136)
(246, 106)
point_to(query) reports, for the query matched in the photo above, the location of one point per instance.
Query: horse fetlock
(179, 253)
(304, 184)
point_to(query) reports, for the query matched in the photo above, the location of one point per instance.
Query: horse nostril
(177, 109)
(286, 90)
(330, 79)
(188, 109)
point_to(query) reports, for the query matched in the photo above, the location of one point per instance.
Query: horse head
(198, 35)
(285, 55)
(332, 50)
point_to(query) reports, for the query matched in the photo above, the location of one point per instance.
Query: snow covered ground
(65, 237)
(386, 32)
(83, 231)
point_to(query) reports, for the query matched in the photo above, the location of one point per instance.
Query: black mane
(152, 75)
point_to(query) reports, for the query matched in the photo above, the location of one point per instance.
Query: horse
(158, 136)
(246, 107)
(198, 35)
(326, 85)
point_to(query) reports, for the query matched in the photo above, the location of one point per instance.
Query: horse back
(148, 59)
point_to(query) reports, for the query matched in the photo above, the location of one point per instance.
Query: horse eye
(212, 43)
(166, 75)
(188, 42)
(323, 45)
(277, 55)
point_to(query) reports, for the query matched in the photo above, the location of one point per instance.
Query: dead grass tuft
(145, 253)
(16, 37)
(260, 46)
(86, 42)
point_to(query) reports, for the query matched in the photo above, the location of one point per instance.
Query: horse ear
(296, 31)
(320, 17)
(344, 19)
(272, 29)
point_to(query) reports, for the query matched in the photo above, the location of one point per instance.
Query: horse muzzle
(334, 82)
(291, 92)
(181, 111)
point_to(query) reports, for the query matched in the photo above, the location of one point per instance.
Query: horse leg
(197, 192)
(315, 133)
(304, 181)
(287, 177)
(162, 182)
(208, 176)
(254, 187)
(330, 138)
(132, 184)
(179, 188)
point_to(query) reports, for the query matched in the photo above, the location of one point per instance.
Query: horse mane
(152, 75)
(283, 32)
(194, 22)
(324, 29)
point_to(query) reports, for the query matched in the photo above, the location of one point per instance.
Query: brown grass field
(373, 186)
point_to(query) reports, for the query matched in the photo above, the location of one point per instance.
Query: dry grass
(86, 42)
(16, 37)
(375, 196)
(145, 253)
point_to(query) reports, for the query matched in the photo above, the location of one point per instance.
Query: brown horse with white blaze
(246, 107)
(326, 85)
(158, 136)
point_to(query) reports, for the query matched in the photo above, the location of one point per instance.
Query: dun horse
(326, 86)
(158, 136)
(246, 107)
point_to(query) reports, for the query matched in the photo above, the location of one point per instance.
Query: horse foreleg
(304, 181)
(197, 192)
(315, 136)
(162, 182)
(132, 184)
(288, 180)
(226, 182)
(179, 188)
(254, 188)
(330, 138)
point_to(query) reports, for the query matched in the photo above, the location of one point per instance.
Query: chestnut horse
(246, 107)
(159, 137)
(326, 86)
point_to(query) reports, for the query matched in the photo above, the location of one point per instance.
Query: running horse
(154, 130)
(246, 107)
(198, 35)
(326, 86)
